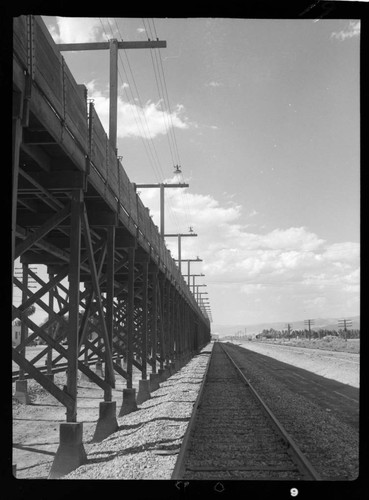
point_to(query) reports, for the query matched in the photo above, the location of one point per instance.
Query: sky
(263, 118)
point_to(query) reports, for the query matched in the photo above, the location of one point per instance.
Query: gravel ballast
(147, 443)
(341, 366)
(330, 445)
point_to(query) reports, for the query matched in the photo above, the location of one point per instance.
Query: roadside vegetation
(331, 340)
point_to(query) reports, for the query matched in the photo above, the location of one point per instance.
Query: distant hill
(319, 324)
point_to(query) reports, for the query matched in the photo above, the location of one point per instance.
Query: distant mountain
(319, 324)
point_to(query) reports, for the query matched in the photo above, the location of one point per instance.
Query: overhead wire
(149, 144)
(185, 195)
(163, 94)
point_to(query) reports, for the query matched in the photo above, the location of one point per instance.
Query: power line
(149, 146)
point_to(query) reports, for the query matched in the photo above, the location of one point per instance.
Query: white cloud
(213, 84)
(134, 120)
(351, 31)
(306, 272)
(81, 29)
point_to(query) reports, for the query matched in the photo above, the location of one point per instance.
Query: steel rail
(301, 460)
(179, 467)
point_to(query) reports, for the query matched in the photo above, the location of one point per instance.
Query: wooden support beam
(95, 284)
(73, 274)
(154, 319)
(83, 326)
(64, 398)
(144, 320)
(105, 45)
(130, 314)
(42, 231)
(59, 181)
(110, 248)
(17, 132)
(48, 286)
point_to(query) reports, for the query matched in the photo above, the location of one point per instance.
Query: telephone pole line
(113, 46)
(161, 186)
(180, 235)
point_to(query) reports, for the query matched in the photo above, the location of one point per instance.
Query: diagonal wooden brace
(95, 283)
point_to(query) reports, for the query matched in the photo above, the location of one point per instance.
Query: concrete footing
(99, 369)
(21, 392)
(70, 453)
(154, 381)
(162, 374)
(143, 391)
(107, 423)
(169, 370)
(173, 366)
(129, 402)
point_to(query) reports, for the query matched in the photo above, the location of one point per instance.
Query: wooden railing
(39, 57)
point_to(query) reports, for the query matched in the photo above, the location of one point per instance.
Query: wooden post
(74, 283)
(167, 321)
(113, 96)
(50, 349)
(162, 210)
(145, 266)
(179, 253)
(162, 325)
(130, 314)
(17, 132)
(154, 323)
(24, 327)
(109, 297)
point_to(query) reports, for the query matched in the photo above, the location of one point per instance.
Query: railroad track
(232, 434)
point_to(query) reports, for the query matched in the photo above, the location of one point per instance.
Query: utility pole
(309, 322)
(344, 323)
(188, 267)
(193, 276)
(289, 329)
(198, 294)
(161, 186)
(179, 244)
(113, 46)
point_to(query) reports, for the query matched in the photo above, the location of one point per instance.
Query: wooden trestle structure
(75, 211)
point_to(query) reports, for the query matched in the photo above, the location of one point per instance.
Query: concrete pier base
(107, 423)
(154, 381)
(21, 392)
(99, 369)
(129, 402)
(143, 391)
(162, 375)
(70, 453)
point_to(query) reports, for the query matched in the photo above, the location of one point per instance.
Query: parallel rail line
(264, 449)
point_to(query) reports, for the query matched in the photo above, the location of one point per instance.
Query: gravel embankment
(331, 446)
(147, 443)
